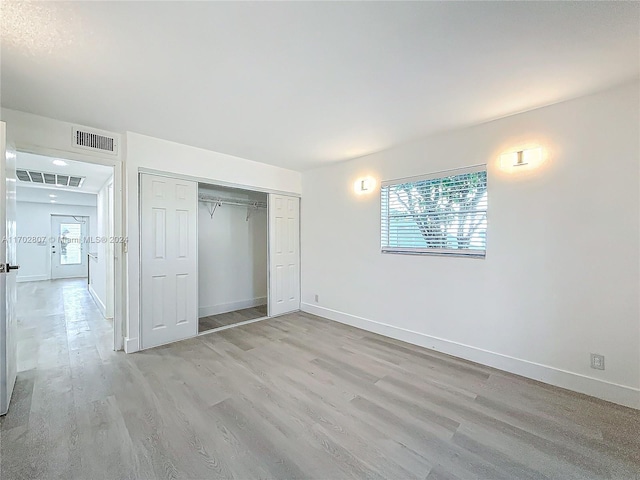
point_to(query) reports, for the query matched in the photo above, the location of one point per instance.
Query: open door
(169, 263)
(8, 322)
(284, 254)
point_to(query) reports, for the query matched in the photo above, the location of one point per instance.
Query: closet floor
(231, 318)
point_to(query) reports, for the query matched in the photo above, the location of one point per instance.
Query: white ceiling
(42, 195)
(301, 84)
(95, 175)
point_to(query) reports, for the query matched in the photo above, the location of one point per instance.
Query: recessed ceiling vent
(49, 178)
(96, 140)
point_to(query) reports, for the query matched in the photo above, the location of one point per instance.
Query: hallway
(63, 344)
(57, 318)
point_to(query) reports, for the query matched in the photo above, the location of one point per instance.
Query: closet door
(284, 254)
(168, 253)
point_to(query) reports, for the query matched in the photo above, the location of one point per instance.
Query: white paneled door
(284, 254)
(8, 321)
(168, 253)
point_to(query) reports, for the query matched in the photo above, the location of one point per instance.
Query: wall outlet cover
(597, 361)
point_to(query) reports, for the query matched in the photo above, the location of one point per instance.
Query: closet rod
(231, 201)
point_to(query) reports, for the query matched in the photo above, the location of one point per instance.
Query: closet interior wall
(232, 256)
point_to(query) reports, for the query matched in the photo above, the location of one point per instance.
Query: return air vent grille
(95, 140)
(49, 178)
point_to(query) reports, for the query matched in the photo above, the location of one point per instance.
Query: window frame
(448, 252)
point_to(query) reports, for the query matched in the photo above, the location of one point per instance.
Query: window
(443, 213)
(70, 244)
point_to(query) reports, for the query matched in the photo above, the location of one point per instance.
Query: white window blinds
(443, 213)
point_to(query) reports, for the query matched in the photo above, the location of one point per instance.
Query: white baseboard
(612, 392)
(101, 306)
(32, 278)
(231, 307)
(131, 345)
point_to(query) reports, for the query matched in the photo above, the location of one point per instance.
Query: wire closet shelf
(213, 202)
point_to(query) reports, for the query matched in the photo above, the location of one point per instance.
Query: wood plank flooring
(291, 397)
(231, 318)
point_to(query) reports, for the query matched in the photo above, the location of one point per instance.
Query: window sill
(438, 253)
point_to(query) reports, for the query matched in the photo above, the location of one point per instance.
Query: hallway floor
(57, 315)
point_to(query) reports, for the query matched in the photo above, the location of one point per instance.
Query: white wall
(561, 276)
(34, 220)
(232, 256)
(143, 152)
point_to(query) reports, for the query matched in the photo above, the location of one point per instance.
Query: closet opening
(232, 257)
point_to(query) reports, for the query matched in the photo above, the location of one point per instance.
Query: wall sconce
(531, 156)
(364, 185)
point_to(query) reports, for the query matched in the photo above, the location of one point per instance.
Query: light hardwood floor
(290, 397)
(231, 318)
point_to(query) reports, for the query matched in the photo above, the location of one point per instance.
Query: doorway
(41, 315)
(66, 281)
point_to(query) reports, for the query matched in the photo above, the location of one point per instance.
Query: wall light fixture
(520, 158)
(364, 185)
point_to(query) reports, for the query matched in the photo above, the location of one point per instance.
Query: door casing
(119, 229)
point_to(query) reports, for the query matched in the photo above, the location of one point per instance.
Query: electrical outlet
(597, 361)
(317, 298)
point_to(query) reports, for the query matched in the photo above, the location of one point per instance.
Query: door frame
(214, 182)
(119, 229)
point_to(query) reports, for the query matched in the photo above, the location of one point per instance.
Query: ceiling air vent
(49, 178)
(23, 175)
(95, 140)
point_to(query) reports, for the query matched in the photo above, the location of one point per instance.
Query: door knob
(6, 268)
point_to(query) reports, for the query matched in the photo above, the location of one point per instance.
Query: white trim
(33, 278)
(612, 392)
(88, 156)
(101, 306)
(439, 252)
(213, 182)
(231, 306)
(131, 345)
